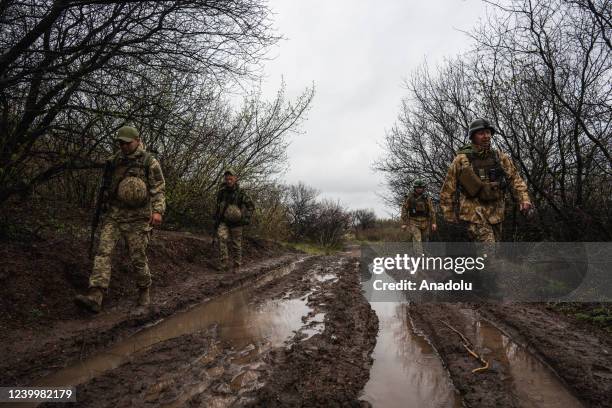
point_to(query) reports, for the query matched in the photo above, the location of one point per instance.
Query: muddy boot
(92, 301)
(144, 299)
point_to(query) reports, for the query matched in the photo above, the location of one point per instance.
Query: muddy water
(406, 371)
(536, 386)
(239, 323)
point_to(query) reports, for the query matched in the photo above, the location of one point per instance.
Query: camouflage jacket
(420, 221)
(236, 196)
(472, 209)
(152, 176)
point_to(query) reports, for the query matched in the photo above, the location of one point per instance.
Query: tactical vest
(229, 197)
(484, 178)
(417, 206)
(488, 168)
(124, 167)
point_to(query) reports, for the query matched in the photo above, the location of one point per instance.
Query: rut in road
(242, 347)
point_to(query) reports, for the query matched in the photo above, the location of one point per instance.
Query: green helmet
(479, 124)
(419, 183)
(230, 171)
(127, 134)
(232, 213)
(132, 192)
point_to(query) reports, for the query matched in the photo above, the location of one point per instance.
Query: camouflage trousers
(234, 236)
(485, 232)
(136, 236)
(418, 233)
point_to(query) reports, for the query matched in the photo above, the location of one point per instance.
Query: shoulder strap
(148, 159)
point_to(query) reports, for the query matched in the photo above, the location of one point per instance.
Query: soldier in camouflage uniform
(135, 202)
(482, 176)
(418, 216)
(233, 211)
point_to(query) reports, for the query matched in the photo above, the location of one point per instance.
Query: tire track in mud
(537, 359)
(581, 357)
(515, 378)
(332, 367)
(319, 356)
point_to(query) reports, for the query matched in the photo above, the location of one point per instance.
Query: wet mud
(515, 377)
(294, 337)
(183, 276)
(294, 330)
(331, 367)
(581, 356)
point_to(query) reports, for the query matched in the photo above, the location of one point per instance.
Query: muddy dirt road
(297, 330)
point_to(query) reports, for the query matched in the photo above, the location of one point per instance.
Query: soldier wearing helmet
(482, 175)
(418, 215)
(135, 202)
(233, 211)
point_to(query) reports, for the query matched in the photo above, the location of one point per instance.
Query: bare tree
(302, 207)
(61, 58)
(331, 223)
(540, 71)
(363, 219)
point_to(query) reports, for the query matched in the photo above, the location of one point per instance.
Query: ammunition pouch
(470, 182)
(417, 206)
(420, 207)
(490, 191)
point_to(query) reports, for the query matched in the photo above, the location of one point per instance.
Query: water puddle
(407, 371)
(326, 277)
(535, 384)
(240, 323)
(314, 325)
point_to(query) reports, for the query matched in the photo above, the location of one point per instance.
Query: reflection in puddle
(326, 277)
(406, 370)
(535, 384)
(239, 323)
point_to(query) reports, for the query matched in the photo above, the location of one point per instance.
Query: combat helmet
(479, 124)
(132, 192)
(419, 183)
(233, 213)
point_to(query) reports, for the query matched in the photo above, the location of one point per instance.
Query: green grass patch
(312, 249)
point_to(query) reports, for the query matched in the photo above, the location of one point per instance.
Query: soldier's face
(129, 147)
(230, 180)
(482, 137)
(419, 190)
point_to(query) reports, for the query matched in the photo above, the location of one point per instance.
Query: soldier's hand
(434, 227)
(404, 226)
(156, 219)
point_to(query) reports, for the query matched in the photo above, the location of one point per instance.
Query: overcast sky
(357, 53)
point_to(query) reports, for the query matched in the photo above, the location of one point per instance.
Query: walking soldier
(482, 176)
(418, 215)
(233, 211)
(133, 194)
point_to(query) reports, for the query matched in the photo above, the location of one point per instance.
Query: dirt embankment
(39, 280)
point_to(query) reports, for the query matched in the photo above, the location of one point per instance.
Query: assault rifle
(100, 203)
(217, 223)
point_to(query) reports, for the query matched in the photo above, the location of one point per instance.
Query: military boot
(92, 301)
(144, 299)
